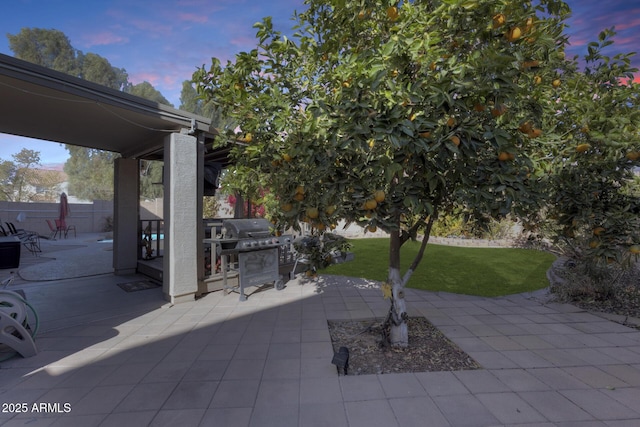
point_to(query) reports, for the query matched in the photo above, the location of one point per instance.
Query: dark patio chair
(30, 239)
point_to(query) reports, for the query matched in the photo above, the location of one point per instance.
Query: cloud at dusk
(103, 38)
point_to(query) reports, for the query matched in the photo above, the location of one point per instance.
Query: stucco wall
(86, 217)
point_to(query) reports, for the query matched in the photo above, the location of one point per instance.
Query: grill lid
(246, 228)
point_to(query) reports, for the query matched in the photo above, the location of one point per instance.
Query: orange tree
(388, 114)
(593, 154)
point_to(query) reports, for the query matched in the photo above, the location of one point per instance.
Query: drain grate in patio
(139, 285)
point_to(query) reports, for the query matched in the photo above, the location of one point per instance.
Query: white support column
(126, 208)
(180, 263)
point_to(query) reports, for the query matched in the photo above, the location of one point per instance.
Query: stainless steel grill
(247, 246)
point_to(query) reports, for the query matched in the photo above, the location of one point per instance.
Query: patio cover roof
(41, 103)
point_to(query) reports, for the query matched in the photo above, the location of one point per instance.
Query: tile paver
(417, 411)
(509, 408)
(555, 407)
(361, 387)
(370, 413)
(465, 411)
(599, 405)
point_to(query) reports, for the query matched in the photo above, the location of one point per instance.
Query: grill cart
(247, 247)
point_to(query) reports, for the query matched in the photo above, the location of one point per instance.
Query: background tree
(90, 171)
(48, 48)
(151, 179)
(390, 114)
(147, 91)
(22, 182)
(97, 69)
(192, 102)
(593, 201)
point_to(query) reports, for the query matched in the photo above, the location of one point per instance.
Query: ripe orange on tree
(392, 13)
(528, 25)
(312, 212)
(534, 133)
(530, 64)
(581, 148)
(370, 204)
(499, 20)
(513, 34)
(498, 110)
(525, 127)
(455, 139)
(633, 155)
(379, 196)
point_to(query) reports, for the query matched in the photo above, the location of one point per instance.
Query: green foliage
(97, 69)
(151, 179)
(469, 271)
(209, 207)
(147, 91)
(108, 224)
(319, 250)
(593, 199)
(419, 107)
(452, 226)
(90, 173)
(456, 224)
(52, 49)
(49, 48)
(21, 182)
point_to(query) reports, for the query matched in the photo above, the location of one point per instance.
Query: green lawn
(471, 271)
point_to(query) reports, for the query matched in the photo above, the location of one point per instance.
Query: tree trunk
(238, 209)
(399, 332)
(397, 318)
